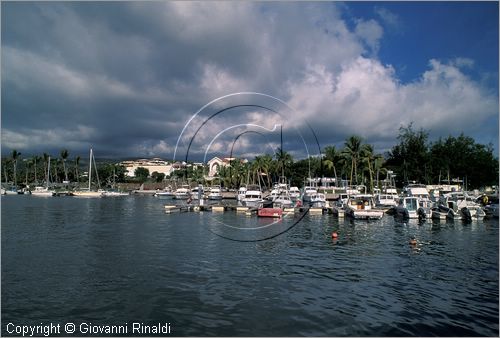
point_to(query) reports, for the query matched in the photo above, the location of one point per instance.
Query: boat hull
(270, 212)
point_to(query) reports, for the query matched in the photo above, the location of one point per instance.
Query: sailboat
(44, 191)
(113, 192)
(88, 192)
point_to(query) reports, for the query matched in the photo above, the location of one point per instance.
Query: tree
(157, 177)
(64, 156)
(410, 158)
(332, 159)
(141, 174)
(284, 162)
(351, 152)
(461, 157)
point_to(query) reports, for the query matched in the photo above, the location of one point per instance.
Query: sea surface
(117, 261)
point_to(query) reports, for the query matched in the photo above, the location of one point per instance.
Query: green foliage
(157, 177)
(141, 174)
(462, 157)
(410, 158)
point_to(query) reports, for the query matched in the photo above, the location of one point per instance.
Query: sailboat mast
(90, 168)
(48, 173)
(281, 150)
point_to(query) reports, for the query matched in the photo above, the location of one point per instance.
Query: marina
(247, 169)
(96, 266)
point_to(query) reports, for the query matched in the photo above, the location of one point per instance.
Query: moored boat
(241, 193)
(182, 193)
(407, 208)
(318, 200)
(362, 207)
(294, 193)
(89, 192)
(166, 193)
(253, 197)
(215, 193)
(42, 192)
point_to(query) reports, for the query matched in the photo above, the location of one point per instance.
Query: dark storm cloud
(125, 77)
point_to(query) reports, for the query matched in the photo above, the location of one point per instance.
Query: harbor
(100, 257)
(250, 169)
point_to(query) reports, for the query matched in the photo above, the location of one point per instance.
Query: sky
(193, 80)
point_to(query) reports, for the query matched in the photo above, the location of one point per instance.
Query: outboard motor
(466, 214)
(421, 214)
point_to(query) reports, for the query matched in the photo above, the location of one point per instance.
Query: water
(117, 261)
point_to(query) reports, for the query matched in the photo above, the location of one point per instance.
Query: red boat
(269, 212)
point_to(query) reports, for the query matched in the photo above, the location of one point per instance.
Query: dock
(247, 211)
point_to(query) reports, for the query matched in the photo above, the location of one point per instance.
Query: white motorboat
(253, 198)
(384, 200)
(198, 192)
(114, 193)
(283, 201)
(241, 194)
(42, 192)
(273, 195)
(417, 190)
(166, 193)
(458, 206)
(215, 193)
(309, 191)
(407, 208)
(318, 200)
(425, 207)
(362, 207)
(294, 193)
(182, 193)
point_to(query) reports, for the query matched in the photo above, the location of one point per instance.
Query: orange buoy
(413, 241)
(334, 235)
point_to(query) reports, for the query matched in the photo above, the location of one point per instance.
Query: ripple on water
(111, 261)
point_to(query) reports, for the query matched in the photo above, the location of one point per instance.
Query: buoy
(413, 241)
(334, 235)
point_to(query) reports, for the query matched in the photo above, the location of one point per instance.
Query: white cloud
(366, 98)
(370, 32)
(390, 19)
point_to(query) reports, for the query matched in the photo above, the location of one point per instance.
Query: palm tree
(261, 166)
(367, 158)
(332, 157)
(64, 156)
(283, 162)
(77, 165)
(15, 157)
(351, 152)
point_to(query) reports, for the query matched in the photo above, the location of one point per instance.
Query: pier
(248, 211)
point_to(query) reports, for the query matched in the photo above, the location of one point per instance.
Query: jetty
(248, 211)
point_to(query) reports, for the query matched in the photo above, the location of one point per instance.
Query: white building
(154, 164)
(215, 163)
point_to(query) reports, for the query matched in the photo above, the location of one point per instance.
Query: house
(215, 163)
